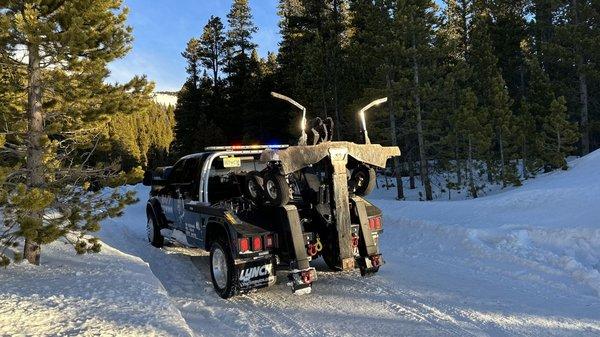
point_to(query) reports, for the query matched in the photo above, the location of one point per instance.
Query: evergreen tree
(577, 41)
(68, 45)
(507, 32)
(239, 45)
(560, 134)
(241, 28)
(212, 47)
(492, 94)
(140, 139)
(192, 57)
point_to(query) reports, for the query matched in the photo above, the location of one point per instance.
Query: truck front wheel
(153, 231)
(222, 270)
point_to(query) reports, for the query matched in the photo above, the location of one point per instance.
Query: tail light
(375, 223)
(269, 241)
(257, 243)
(244, 244)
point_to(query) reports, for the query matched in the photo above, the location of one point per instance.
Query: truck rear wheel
(222, 270)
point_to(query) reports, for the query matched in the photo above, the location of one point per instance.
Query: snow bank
(551, 225)
(105, 294)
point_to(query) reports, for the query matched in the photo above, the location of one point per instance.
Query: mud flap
(370, 263)
(256, 274)
(297, 238)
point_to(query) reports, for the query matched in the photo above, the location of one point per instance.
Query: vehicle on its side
(263, 209)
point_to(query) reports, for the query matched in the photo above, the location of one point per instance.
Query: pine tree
(492, 94)
(560, 134)
(507, 32)
(68, 45)
(241, 28)
(192, 57)
(577, 36)
(374, 54)
(239, 45)
(212, 47)
(417, 21)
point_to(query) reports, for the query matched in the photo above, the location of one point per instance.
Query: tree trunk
(417, 99)
(585, 127)
(524, 168)
(458, 167)
(394, 137)
(472, 188)
(502, 172)
(583, 89)
(411, 171)
(35, 152)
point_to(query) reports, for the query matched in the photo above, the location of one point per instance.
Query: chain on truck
(260, 210)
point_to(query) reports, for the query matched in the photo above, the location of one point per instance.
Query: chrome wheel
(253, 188)
(272, 189)
(219, 267)
(150, 230)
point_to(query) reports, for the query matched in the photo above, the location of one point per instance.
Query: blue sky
(162, 28)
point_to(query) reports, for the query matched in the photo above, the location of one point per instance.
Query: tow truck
(264, 209)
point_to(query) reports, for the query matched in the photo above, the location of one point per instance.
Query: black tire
(153, 232)
(252, 186)
(364, 180)
(228, 288)
(277, 190)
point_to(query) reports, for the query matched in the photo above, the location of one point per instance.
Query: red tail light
(256, 243)
(375, 223)
(244, 244)
(268, 241)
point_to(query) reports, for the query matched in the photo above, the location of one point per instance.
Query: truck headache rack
(244, 147)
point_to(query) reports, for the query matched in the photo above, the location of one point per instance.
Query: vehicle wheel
(252, 187)
(277, 190)
(365, 180)
(153, 231)
(222, 270)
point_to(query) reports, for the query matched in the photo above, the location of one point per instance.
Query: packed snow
(520, 262)
(105, 294)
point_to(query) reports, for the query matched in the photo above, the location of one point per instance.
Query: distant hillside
(166, 98)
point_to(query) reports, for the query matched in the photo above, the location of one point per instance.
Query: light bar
(245, 147)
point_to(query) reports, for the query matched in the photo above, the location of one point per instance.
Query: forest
(495, 88)
(487, 91)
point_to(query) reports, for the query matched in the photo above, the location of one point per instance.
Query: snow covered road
(520, 263)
